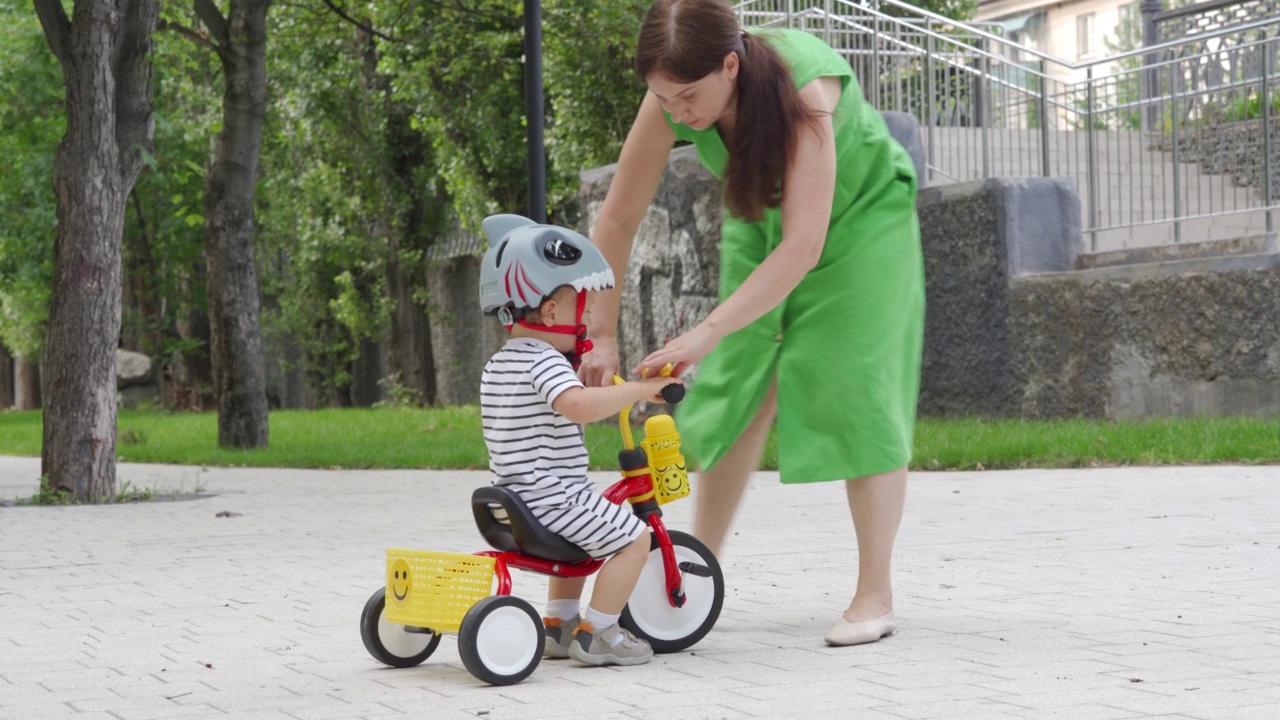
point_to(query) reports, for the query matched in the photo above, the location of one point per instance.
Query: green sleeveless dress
(845, 346)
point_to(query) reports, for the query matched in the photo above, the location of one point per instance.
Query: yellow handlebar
(624, 421)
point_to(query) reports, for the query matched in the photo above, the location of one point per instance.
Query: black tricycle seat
(508, 525)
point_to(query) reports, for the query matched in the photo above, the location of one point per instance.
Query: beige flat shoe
(844, 632)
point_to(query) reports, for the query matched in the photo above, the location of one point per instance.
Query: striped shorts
(591, 522)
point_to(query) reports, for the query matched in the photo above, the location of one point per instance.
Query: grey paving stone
(1028, 595)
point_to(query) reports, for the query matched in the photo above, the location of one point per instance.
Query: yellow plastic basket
(435, 589)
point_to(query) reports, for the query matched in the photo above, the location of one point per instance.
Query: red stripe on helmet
(519, 272)
(525, 276)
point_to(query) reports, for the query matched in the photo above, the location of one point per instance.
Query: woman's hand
(681, 352)
(601, 364)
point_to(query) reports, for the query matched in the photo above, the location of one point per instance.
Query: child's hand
(651, 388)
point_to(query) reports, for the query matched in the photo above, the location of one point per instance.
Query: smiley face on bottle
(673, 479)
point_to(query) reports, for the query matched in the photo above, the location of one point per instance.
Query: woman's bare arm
(808, 191)
(640, 167)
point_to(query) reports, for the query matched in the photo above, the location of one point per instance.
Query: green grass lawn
(450, 438)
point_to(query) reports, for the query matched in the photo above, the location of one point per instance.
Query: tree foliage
(389, 124)
(163, 243)
(593, 91)
(32, 120)
(349, 197)
(459, 68)
(381, 140)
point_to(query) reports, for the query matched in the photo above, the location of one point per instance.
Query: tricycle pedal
(695, 569)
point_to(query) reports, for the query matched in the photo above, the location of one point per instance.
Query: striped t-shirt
(533, 450)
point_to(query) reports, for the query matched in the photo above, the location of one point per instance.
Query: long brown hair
(686, 40)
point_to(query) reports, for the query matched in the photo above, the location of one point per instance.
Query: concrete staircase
(1136, 183)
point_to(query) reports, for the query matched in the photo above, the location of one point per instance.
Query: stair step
(1249, 245)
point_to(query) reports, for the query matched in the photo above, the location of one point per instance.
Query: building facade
(1075, 31)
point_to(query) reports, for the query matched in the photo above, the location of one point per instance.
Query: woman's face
(699, 104)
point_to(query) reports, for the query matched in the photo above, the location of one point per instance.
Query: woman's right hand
(601, 364)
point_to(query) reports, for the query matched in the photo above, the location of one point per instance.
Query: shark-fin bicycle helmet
(527, 261)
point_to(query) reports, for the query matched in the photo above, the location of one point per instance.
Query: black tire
(648, 613)
(501, 640)
(377, 634)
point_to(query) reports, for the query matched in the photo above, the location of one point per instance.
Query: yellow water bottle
(662, 444)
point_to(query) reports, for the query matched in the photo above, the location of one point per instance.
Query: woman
(821, 312)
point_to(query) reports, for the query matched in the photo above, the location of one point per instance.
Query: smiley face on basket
(399, 582)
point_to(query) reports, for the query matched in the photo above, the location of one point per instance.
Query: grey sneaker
(558, 634)
(600, 647)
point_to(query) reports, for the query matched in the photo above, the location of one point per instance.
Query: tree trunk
(239, 373)
(410, 341)
(192, 382)
(27, 384)
(105, 57)
(411, 355)
(366, 370)
(144, 328)
(6, 378)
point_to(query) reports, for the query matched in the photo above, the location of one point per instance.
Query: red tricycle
(676, 601)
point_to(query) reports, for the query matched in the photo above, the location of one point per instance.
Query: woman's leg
(876, 503)
(720, 489)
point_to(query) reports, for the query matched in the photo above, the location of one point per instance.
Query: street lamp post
(535, 150)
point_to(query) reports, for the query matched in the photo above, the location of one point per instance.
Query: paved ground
(1090, 595)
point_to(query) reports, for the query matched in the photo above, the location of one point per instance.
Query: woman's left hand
(681, 352)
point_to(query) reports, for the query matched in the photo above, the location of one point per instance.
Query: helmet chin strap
(582, 345)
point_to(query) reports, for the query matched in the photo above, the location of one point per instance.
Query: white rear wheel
(393, 644)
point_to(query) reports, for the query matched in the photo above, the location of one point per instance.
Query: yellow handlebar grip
(624, 421)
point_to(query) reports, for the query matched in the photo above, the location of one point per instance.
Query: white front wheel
(500, 640)
(649, 612)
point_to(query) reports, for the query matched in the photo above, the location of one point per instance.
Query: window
(1129, 14)
(1129, 29)
(1086, 43)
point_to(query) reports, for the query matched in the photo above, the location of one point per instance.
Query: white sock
(563, 609)
(601, 621)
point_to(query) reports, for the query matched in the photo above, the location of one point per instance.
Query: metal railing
(1197, 18)
(1170, 142)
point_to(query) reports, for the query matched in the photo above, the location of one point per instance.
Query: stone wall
(975, 236)
(1190, 337)
(673, 276)
(1234, 149)
(1014, 329)
(462, 338)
